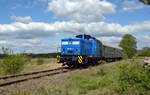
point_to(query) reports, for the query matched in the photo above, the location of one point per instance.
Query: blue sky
(38, 25)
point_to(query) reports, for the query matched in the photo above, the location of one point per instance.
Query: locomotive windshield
(64, 42)
(70, 42)
(75, 42)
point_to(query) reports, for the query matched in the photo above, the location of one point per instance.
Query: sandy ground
(53, 65)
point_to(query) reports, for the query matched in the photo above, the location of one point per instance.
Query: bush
(13, 64)
(40, 61)
(134, 76)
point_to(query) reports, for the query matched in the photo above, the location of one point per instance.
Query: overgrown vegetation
(122, 78)
(134, 77)
(12, 63)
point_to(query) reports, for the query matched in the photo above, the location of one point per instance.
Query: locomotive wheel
(72, 65)
(69, 65)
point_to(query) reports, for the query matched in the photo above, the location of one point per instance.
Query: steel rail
(30, 78)
(42, 74)
(26, 74)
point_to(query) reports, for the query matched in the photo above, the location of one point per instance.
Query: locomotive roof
(111, 45)
(85, 36)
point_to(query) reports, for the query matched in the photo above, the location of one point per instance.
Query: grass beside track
(33, 66)
(99, 80)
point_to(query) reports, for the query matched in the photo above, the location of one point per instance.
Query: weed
(21, 93)
(67, 90)
(78, 77)
(101, 72)
(43, 91)
(56, 91)
(83, 91)
(89, 85)
(104, 82)
(40, 61)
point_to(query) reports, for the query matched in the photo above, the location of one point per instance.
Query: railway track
(14, 79)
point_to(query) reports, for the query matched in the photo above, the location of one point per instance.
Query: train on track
(85, 49)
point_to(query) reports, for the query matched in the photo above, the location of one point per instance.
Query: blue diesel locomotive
(85, 49)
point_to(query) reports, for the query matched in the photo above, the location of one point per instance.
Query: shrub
(13, 64)
(40, 61)
(133, 76)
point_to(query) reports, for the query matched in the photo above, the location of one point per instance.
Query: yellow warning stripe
(80, 59)
(58, 55)
(58, 60)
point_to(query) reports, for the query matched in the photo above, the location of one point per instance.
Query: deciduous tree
(128, 43)
(145, 1)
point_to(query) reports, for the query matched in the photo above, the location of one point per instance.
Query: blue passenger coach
(83, 50)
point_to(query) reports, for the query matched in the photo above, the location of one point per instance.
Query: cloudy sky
(37, 26)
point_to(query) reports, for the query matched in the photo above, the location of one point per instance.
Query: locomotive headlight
(64, 43)
(75, 42)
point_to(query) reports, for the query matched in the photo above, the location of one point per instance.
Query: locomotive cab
(70, 46)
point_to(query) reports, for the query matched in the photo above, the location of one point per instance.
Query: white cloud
(138, 27)
(41, 30)
(22, 19)
(143, 41)
(81, 10)
(3, 42)
(132, 5)
(112, 39)
(31, 36)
